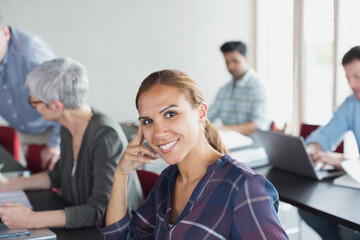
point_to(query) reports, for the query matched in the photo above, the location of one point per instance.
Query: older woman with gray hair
(91, 147)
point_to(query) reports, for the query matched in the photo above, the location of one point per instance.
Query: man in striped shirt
(240, 104)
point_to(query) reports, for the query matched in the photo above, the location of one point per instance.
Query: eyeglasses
(33, 103)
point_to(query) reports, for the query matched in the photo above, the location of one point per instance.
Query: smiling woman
(204, 193)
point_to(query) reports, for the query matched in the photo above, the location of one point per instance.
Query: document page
(232, 139)
(352, 167)
(15, 196)
(346, 181)
(252, 157)
(352, 176)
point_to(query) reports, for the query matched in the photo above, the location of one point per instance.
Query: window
(275, 55)
(318, 48)
(324, 31)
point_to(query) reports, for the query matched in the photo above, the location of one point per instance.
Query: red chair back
(33, 157)
(307, 129)
(10, 141)
(273, 126)
(147, 180)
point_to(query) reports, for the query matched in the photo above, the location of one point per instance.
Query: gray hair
(62, 79)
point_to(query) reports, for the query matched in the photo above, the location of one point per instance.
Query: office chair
(147, 180)
(10, 141)
(307, 129)
(33, 157)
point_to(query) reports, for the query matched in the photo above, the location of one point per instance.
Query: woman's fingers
(136, 154)
(134, 157)
(142, 150)
(139, 137)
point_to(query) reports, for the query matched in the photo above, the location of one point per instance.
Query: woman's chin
(172, 160)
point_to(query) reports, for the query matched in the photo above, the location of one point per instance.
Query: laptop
(289, 153)
(19, 234)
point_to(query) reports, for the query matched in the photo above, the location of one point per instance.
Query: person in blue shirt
(322, 141)
(20, 52)
(345, 118)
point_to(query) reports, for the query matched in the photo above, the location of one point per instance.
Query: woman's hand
(16, 216)
(49, 156)
(135, 155)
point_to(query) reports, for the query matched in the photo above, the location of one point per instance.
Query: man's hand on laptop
(324, 159)
(329, 158)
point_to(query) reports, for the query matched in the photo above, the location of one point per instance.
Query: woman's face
(42, 108)
(169, 123)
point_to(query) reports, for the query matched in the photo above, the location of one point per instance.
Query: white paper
(346, 181)
(15, 196)
(253, 157)
(232, 139)
(352, 168)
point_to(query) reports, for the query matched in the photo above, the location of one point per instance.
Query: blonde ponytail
(213, 137)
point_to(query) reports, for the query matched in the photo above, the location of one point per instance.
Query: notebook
(43, 233)
(233, 140)
(289, 153)
(6, 233)
(346, 181)
(352, 176)
(15, 196)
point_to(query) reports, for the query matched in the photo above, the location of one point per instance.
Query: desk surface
(323, 198)
(48, 200)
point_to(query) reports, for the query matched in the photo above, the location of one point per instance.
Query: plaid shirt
(230, 202)
(244, 102)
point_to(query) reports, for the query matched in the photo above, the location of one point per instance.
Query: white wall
(123, 41)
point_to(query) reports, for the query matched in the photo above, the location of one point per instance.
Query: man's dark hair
(352, 54)
(234, 46)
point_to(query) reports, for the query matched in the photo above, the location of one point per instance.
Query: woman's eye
(147, 121)
(170, 114)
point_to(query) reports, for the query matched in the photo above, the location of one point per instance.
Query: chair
(147, 180)
(306, 129)
(10, 141)
(33, 157)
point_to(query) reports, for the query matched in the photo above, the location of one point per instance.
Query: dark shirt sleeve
(54, 176)
(106, 153)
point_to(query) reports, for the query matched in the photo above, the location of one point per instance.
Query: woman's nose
(160, 131)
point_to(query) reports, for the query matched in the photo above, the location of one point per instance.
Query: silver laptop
(43, 233)
(289, 153)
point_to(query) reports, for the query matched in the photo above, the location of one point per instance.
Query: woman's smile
(165, 148)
